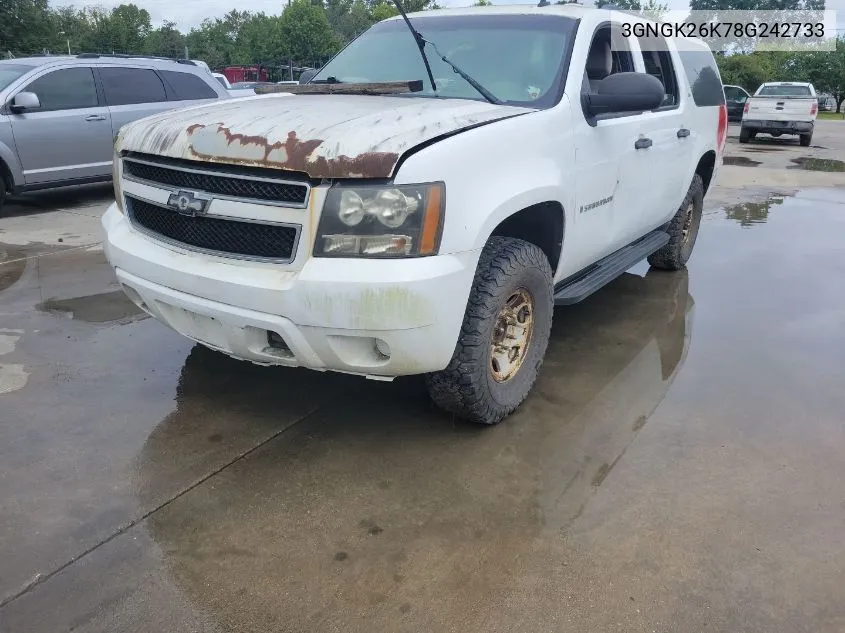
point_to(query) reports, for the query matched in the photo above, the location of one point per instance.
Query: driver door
(69, 137)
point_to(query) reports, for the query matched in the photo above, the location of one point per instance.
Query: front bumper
(784, 127)
(370, 317)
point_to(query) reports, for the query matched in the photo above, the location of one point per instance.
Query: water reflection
(751, 213)
(377, 502)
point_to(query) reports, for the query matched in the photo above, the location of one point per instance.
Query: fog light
(382, 348)
(277, 342)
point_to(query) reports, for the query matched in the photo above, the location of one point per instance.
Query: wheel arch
(541, 223)
(705, 168)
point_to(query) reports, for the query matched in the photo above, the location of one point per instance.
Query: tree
(382, 11)
(25, 26)
(165, 41)
(825, 70)
(649, 7)
(482, 3)
(305, 32)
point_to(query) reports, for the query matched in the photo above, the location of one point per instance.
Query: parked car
(735, 98)
(385, 235)
(777, 108)
(222, 79)
(59, 116)
(827, 103)
(242, 85)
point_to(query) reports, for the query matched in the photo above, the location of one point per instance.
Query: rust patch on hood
(218, 143)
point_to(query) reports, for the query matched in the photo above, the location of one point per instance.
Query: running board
(582, 285)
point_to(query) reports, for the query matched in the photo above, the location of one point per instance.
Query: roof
(88, 58)
(564, 10)
(33, 61)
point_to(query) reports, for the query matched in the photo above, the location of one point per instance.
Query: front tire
(504, 335)
(682, 230)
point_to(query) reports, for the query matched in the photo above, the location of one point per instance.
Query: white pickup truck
(529, 156)
(783, 107)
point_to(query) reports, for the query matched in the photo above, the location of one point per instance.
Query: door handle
(95, 117)
(642, 143)
(683, 132)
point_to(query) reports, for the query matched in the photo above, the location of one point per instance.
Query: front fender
(494, 171)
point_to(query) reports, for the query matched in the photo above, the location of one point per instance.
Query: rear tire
(3, 190)
(682, 230)
(744, 135)
(806, 139)
(504, 335)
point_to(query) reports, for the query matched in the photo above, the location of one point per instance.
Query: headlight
(381, 221)
(116, 172)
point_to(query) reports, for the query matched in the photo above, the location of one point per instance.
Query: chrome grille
(216, 235)
(247, 185)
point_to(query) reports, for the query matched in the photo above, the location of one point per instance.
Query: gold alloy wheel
(512, 335)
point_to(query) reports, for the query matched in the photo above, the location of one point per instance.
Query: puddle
(817, 164)
(102, 308)
(750, 213)
(10, 271)
(741, 161)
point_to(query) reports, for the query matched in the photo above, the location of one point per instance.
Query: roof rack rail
(125, 56)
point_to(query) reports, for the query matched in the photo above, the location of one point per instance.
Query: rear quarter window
(186, 86)
(703, 76)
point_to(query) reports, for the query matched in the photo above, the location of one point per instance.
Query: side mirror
(625, 92)
(306, 75)
(25, 101)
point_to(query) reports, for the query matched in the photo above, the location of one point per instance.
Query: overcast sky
(189, 13)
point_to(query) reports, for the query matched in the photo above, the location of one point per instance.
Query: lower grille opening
(224, 236)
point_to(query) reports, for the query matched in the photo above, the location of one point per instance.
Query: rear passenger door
(670, 133)
(132, 93)
(69, 136)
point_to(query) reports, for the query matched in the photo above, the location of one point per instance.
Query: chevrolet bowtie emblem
(186, 203)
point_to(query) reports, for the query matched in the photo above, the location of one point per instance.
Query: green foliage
(650, 8)
(824, 69)
(305, 31)
(482, 3)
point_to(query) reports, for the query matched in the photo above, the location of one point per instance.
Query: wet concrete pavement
(678, 467)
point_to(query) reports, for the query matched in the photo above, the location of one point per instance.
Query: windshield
(10, 72)
(518, 58)
(784, 91)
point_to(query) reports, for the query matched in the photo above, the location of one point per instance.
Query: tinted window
(658, 63)
(66, 89)
(185, 86)
(784, 91)
(734, 94)
(703, 76)
(124, 86)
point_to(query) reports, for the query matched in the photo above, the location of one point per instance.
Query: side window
(125, 86)
(65, 89)
(703, 76)
(185, 86)
(658, 63)
(610, 53)
(736, 95)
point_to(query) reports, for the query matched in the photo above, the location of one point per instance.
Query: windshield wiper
(472, 82)
(421, 42)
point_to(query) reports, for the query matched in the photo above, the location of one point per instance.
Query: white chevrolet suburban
(782, 107)
(529, 156)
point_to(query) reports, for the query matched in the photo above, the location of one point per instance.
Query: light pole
(67, 39)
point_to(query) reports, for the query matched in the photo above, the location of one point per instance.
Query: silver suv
(59, 116)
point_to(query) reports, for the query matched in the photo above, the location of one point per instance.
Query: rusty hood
(325, 136)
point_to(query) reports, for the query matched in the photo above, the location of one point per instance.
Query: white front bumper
(330, 313)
